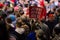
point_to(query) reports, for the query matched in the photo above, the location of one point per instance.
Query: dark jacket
(51, 25)
(18, 36)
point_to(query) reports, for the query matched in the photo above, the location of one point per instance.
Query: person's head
(8, 20)
(12, 17)
(51, 17)
(21, 12)
(3, 16)
(10, 10)
(26, 5)
(1, 5)
(19, 22)
(16, 9)
(10, 26)
(3, 31)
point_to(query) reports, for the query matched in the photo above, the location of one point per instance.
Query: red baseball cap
(1, 5)
(51, 15)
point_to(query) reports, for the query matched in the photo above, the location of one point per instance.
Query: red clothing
(42, 3)
(1, 5)
(43, 13)
(12, 0)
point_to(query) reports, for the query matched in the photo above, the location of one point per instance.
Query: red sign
(34, 12)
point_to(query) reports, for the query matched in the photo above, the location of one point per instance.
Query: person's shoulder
(14, 32)
(45, 25)
(57, 25)
(12, 38)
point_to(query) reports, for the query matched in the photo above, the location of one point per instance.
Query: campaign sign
(34, 11)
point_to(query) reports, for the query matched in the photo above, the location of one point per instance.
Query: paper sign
(34, 12)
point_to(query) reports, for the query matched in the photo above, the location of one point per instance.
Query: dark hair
(3, 31)
(50, 12)
(18, 22)
(3, 14)
(21, 12)
(10, 11)
(26, 5)
(8, 20)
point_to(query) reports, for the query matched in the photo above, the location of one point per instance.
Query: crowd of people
(15, 23)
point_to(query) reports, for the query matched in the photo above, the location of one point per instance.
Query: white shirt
(20, 30)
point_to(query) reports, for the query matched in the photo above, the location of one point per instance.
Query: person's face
(51, 18)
